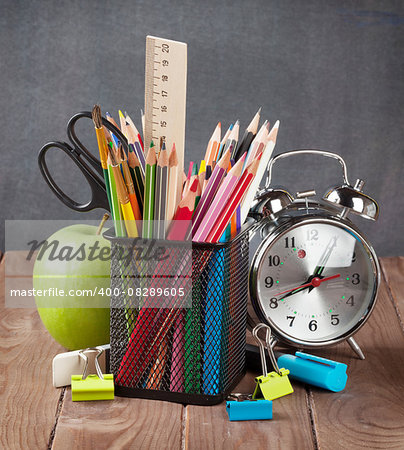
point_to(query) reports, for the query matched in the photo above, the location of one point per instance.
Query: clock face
(315, 283)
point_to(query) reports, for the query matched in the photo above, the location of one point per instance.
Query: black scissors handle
(89, 165)
(71, 134)
(99, 197)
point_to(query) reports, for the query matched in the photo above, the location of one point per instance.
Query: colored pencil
(134, 144)
(186, 185)
(223, 194)
(123, 123)
(143, 122)
(213, 145)
(129, 186)
(180, 225)
(177, 358)
(157, 371)
(211, 188)
(149, 186)
(161, 191)
(194, 176)
(233, 138)
(258, 143)
(266, 156)
(111, 120)
(172, 184)
(248, 136)
(137, 177)
(208, 174)
(231, 205)
(134, 129)
(223, 142)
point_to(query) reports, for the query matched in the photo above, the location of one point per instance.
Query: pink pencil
(210, 190)
(177, 358)
(222, 219)
(218, 203)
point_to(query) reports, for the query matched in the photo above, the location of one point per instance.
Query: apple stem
(105, 217)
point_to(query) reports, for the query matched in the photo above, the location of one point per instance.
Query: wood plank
(209, 427)
(27, 398)
(393, 271)
(122, 423)
(370, 411)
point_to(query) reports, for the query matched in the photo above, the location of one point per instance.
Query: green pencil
(149, 187)
(115, 210)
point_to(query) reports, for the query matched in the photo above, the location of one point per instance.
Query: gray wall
(331, 71)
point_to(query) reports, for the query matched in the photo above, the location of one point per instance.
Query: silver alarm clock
(313, 276)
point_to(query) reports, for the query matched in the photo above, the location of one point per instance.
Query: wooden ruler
(165, 95)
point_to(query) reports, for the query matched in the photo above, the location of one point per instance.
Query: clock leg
(355, 347)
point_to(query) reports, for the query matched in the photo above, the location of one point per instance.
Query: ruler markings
(165, 94)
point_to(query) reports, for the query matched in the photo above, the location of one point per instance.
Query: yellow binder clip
(274, 384)
(92, 387)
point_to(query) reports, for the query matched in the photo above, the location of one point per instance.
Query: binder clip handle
(268, 347)
(82, 354)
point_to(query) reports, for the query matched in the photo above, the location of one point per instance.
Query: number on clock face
(315, 282)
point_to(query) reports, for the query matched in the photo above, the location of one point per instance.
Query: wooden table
(368, 413)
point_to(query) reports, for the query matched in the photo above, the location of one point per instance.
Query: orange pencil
(213, 146)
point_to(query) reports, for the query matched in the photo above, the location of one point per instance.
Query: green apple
(74, 260)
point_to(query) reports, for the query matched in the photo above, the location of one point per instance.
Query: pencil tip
(121, 114)
(194, 186)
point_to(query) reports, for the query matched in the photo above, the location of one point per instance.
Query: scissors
(89, 165)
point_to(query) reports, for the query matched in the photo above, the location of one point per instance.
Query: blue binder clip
(314, 370)
(243, 408)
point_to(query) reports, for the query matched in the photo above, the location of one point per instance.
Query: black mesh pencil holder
(182, 345)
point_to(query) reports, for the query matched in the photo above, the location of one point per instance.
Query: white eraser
(67, 364)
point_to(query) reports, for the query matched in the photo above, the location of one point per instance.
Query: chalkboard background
(332, 73)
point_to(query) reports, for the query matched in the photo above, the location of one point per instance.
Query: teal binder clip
(274, 384)
(92, 387)
(244, 408)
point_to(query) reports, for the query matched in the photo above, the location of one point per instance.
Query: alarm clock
(313, 276)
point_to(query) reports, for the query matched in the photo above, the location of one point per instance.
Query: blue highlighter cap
(310, 369)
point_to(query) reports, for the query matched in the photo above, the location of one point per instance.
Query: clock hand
(325, 257)
(315, 282)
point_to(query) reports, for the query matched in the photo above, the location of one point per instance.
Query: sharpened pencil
(222, 196)
(134, 129)
(211, 188)
(266, 156)
(248, 136)
(149, 186)
(182, 219)
(213, 145)
(172, 184)
(160, 199)
(232, 202)
(233, 138)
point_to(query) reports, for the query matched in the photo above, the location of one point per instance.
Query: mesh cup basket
(187, 350)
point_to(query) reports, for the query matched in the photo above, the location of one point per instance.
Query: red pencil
(182, 218)
(233, 202)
